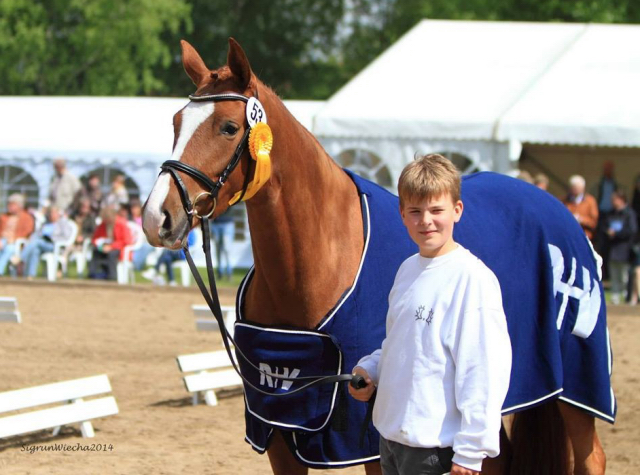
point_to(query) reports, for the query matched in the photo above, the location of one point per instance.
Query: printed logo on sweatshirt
(420, 315)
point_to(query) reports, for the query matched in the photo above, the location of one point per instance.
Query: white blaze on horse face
(193, 115)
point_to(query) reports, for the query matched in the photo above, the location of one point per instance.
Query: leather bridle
(211, 295)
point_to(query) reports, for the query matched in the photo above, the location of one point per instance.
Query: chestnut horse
(307, 254)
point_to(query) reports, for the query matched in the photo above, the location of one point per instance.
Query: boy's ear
(459, 208)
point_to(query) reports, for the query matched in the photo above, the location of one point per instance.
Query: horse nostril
(166, 224)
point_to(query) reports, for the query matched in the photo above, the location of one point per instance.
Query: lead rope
(213, 302)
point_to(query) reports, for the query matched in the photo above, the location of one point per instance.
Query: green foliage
(302, 48)
(86, 47)
(288, 42)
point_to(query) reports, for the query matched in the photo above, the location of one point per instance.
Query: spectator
(135, 208)
(90, 191)
(541, 181)
(118, 195)
(604, 189)
(57, 228)
(524, 175)
(582, 205)
(621, 229)
(109, 241)
(139, 255)
(63, 187)
(15, 224)
(86, 222)
(223, 230)
(634, 273)
(167, 258)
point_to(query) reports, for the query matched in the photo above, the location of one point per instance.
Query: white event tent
(483, 89)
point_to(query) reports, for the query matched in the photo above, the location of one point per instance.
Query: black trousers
(104, 265)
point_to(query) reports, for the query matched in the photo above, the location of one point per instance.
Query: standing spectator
(524, 175)
(541, 181)
(90, 191)
(16, 223)
(63, 187)
(582, 205)
(109, 241)
(118, 195)
(56, 229)
(621, 230)
(167, 258)
(605, 188)
(634, 272)
(223, 230)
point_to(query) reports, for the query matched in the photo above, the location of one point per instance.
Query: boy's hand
(458, 470)
(365, 393)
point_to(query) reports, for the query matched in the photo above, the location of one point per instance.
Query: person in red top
(109, 241)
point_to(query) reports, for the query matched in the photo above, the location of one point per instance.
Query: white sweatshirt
(443, 369)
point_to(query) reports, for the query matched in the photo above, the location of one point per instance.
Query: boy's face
(430, 223)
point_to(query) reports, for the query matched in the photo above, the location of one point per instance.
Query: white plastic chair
(183, 265)
(82, 256)
(58, 256)
(125, 269)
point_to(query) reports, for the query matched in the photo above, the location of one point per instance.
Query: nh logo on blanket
(266, 373)
(588, 296)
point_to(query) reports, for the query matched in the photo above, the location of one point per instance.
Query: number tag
(255, 112)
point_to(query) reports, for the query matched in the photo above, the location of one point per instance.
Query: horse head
(206, 135)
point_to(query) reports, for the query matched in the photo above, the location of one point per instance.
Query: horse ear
(193, 64)
(238, 63)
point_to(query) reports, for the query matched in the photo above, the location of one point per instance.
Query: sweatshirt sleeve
(481, 350)
(370, 364)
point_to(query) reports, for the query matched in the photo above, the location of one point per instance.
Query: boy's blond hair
(427, 177)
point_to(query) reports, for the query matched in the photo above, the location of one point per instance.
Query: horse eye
(229, 129)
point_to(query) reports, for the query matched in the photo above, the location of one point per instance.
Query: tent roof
(590, 97)
(530, 82)
(105, 129)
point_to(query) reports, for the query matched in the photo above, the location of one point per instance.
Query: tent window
(462, 162)
(366, 164)
(17, 180)
(107, 174)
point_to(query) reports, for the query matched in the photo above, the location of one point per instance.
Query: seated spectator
(86, 221)
(92, 192)
(583, 206)
(15, 224)
(621, 228)
(139, 255)
(56, 229)
(167, 258)
(109, 241)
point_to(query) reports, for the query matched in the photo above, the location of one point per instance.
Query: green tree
(289, 43)
(86, 47)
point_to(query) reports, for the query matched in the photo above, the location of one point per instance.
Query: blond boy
(443, 370)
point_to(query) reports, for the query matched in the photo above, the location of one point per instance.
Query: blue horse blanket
(552, 295)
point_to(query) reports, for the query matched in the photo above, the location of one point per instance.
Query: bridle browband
(211, 295)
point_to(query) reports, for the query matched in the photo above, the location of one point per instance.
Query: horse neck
(306, 228)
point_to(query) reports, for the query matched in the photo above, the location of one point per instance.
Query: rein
(211, 295)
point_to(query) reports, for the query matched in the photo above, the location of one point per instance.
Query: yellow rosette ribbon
(260, 143)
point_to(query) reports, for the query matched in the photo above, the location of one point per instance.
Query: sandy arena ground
(133, 334)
